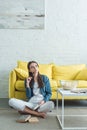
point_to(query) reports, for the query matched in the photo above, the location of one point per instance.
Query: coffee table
(67, 93)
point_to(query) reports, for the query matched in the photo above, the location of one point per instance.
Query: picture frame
(22, 14)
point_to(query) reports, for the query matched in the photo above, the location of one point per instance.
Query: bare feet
(42, 114)
(32, 112)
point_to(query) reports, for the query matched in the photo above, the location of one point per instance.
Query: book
(37, 106)
(79, 90)
(33, 120)
(23, 118)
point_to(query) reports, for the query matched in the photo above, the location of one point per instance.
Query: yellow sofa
(55, 74)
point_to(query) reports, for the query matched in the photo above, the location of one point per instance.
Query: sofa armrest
(12, 80)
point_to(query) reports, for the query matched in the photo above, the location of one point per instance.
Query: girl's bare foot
(42, 114)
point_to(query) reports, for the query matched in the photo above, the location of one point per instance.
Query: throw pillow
(46, 69)
(82, 75)
(21, 73)
(22, 65)
(67, 72)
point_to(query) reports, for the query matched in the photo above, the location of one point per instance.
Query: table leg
(57, 103)
(63, 111)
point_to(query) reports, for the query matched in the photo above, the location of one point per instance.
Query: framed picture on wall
(22, 14)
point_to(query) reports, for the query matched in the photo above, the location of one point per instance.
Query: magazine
(79, 90)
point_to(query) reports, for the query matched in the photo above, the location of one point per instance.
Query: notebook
(79, 90)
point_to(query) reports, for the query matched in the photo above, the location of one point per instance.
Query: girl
(38, 91)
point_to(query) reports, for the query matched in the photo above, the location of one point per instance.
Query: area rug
(8, 122)
(8, 117)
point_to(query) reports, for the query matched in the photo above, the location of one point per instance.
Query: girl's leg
(46, 107)
(23, 107)
(33, 112)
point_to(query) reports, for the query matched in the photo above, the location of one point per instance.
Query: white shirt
(37, 95)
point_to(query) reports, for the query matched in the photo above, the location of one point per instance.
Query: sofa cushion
(45, 69)
(82, 75)
(19, 85)
(21, 73)
(20, 95)
(53, 84)
(82, 84)
(67, 72)
(22, 65)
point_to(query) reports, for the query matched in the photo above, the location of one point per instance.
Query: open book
(33, 120)
(37, 106)
(23, 118)
(79, 90)
(27, 118)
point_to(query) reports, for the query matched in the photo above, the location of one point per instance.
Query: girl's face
(33, 68)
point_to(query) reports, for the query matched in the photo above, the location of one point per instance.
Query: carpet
(8, 122)
(8, 117)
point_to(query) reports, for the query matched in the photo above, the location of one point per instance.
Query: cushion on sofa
(82, 75)
(82, 84)
(45, 69)
(19, 85)
(22, 65)
(53, 84)
(67, 72)
(21, 73)
(20, 95)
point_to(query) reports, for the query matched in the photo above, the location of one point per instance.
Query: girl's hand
(42, 102)
(28, 81)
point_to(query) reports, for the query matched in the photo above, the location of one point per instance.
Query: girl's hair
(39, 78)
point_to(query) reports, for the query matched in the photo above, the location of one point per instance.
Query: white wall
(63, 41)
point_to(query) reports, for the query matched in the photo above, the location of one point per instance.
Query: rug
(8, 117)
(8, 122)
